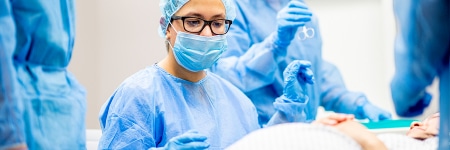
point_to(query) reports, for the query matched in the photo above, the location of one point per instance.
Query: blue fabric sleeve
(289, 110)
(125, 126)
(248, 65)
(335, 95)
(421, 51)
(11, 110)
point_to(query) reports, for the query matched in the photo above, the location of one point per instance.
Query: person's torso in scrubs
(153, 106)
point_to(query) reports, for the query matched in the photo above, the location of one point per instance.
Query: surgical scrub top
(152, 106)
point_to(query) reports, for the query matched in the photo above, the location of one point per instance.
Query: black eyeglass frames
(196, 25)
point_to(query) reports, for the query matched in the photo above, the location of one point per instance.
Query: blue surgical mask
(196, 53)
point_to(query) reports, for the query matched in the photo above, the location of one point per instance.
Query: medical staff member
(43, 105)
(12, 133)
(422, 53)
(265, 37)
(177, 104)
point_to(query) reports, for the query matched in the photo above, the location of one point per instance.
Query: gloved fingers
(306, 75)
(373, 118)
(295, 65)
(194, 145)
(297, 4)
(385, 116)
(303, 63)
(294, 22)
(302, 69)
(291, 70)
(299, 68)
(294, 18)
(374, 113)
(297, 13)
(379, 117)
(190, 136)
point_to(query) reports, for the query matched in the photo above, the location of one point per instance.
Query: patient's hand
(334, 119)
(362, 135)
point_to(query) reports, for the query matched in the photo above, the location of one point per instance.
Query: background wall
(116, 38)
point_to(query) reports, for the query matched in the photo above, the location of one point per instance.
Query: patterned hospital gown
(403, 142)
(295, 136)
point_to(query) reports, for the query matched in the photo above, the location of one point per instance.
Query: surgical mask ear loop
(167, 40)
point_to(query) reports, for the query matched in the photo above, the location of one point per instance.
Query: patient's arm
(334, 119)
(367, 139)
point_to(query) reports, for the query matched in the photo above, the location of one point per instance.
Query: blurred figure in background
(269, 34)
(42, 104)
(422, 53)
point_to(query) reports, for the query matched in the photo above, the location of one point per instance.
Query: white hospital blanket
(403, 142)
(295, 136)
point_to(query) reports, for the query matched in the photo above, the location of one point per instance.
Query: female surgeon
(177, 104)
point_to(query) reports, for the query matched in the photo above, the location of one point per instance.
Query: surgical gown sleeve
(248, 65)
(128, 121)
(54, 102)
(421, 52)
(335, 95)
(11, 124)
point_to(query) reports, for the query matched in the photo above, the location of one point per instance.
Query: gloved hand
(420, 106)
(409, 103)
(294, 99)
(289, 19)
(187, 141)
(296, 75)
(373, 113)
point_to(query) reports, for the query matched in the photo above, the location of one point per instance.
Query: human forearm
(367, 139)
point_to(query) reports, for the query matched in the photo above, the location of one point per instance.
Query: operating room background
(116, 38)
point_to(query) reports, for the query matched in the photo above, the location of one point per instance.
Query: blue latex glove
(289, 19)
(294, 99)
(187, 141)
(408, 101)
(417, 108)
(296, 75)
(368, 110)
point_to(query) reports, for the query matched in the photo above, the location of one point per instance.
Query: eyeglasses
(196, 25)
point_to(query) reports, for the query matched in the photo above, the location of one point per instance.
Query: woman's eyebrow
(221, 16)
(193, 14)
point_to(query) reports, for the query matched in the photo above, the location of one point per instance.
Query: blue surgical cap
(170, 7)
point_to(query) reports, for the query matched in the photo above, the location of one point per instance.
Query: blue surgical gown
(50, 101)
(152, 106)
(11, 124)
(422, 53)
(250, 64)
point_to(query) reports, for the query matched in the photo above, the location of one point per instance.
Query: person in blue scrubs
(12, 133)
(265, 37)
(177, 104)
(43, 105)
(422, 53)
